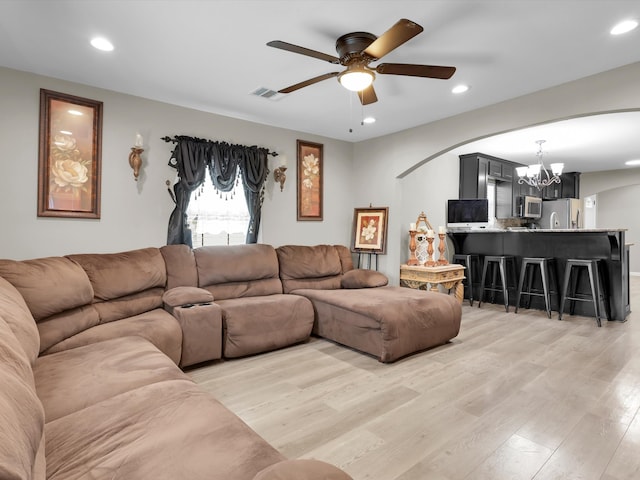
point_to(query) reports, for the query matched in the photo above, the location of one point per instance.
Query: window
(218, 218)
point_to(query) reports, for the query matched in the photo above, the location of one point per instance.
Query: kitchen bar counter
(604, 244)
(536, 230)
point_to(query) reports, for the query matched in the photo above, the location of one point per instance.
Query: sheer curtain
(192, 156)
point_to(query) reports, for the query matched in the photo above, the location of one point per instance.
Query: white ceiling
(209, 55)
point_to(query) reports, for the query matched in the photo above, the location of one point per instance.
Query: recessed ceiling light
(369, 120)
(632, 163)
(460, 89)
(623, 27)
(102, 43)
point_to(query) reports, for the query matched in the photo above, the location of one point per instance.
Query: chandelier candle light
(537, 175)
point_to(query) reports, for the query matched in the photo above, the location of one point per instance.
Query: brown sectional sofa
(91, 345)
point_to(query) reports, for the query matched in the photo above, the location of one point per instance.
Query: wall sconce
(135, 161)
(280, 176)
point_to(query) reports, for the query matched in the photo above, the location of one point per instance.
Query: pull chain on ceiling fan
(357, 50)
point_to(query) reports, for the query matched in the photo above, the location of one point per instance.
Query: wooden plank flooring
(514, 397)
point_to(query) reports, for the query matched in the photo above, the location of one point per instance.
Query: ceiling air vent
(267, 93)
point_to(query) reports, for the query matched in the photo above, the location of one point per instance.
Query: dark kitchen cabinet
(569, 187)
(477, 169)
(474, 173)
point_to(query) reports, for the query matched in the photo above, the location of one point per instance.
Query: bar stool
(597, 286)
(498, 263)
(468, 260)
(527, 269)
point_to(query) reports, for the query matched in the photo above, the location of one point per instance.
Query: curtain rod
(176, 139)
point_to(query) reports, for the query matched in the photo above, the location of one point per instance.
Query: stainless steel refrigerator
(563, 213)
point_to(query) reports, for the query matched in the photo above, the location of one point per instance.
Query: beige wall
(409, 171)
(387, 164)
(617, 192)
(135, 214)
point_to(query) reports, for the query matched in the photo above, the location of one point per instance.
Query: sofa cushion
(19, 319)
(129, 305)
(74, 379)
(58, 293)
(166, 430)
(181, 266)
(309, 267)
(157, 326)
(346, 260)
(238, 270)
(59, 327)
(302, 469)
(21, 414)
(48, 285)
(115, 275)
(259, 324)
(12, 356)
(360, 278)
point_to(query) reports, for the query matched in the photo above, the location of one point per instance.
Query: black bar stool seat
(597, 286)
(468, 261)
(547, 268)
(498, 264)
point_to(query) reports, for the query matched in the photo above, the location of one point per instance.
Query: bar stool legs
(498, 264)
(468, 260)
(596, 283)
(526, 270)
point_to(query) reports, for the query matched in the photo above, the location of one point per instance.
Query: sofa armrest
(303, 469)
(200, 320)
(360, 278)
(186, 296)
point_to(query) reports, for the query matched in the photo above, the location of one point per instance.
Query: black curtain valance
(192, 156)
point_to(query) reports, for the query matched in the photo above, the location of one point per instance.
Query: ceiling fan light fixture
(623, 27)
(356, 79)
(102, 43)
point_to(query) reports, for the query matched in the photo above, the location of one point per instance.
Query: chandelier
(537, 175)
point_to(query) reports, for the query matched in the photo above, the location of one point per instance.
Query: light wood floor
(512, 397)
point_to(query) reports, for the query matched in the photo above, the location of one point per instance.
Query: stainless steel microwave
(530, 207)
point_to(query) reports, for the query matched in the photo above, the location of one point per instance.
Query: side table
(449, 276)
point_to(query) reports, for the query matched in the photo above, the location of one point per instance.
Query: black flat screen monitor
(468, 213)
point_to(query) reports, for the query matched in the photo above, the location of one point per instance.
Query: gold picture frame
(69, 157)
(309, 180)
(370, 230)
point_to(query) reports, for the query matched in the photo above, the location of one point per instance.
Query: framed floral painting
(309, 179)
(69, 159)
(370, 230)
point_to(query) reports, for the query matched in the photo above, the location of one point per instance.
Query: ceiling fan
(357, 50)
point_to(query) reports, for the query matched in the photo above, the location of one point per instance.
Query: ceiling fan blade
(401, 32)
(306, 83)
(289, 47)
(368, 95)
(411, 70)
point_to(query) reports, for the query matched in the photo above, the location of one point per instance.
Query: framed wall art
(370, 230)
(309, 180)
(69, 160)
